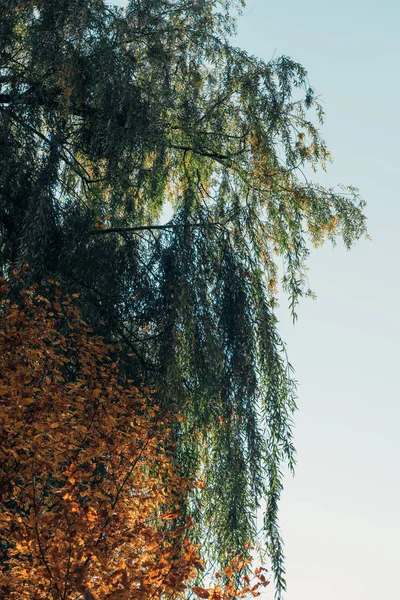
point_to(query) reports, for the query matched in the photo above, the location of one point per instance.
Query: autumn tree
(90, 499)
(113, 120)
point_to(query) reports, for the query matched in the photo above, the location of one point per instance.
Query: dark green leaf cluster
(110, 120)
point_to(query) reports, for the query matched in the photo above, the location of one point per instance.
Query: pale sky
(340, 514)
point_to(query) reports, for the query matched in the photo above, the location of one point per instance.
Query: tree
(86, 477)
(110, 118)
(90, 499)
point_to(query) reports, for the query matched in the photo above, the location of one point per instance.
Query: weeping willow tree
(157, 170)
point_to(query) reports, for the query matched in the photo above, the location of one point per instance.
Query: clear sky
(340, 514)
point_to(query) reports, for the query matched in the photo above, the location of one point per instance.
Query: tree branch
(123, 230)
(203, 152)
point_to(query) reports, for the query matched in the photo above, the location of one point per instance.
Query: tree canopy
(111, 119)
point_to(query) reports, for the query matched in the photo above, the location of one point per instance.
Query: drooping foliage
(114, 120)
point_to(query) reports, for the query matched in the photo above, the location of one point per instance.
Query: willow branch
(123, 230)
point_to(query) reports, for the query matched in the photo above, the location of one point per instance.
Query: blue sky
(340, 514)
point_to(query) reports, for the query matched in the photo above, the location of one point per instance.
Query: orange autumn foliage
(237, 582)
(89, 494)
(85, 471)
